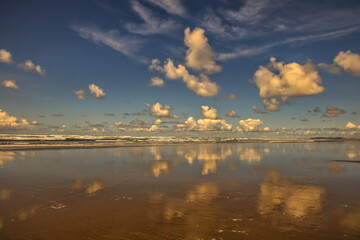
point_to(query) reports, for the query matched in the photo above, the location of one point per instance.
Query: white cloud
(96, 91)
(30, 66)
(349, 62)
(151, 25)
(10, 84)
(199, 56)
(160, 111)
(157, 122)
(201, 85)
(279, 80)
(209, 113)
(350, 125)
(232, 114)
(124, 44)
(206, 125)
(333, 111)
(249, 125)
(5, 56)
(170, 6)
(156, 82)
(79, 94)
(11, 122)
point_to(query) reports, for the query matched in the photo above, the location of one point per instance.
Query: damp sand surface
(189, 191)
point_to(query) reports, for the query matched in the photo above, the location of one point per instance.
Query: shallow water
(211, 191)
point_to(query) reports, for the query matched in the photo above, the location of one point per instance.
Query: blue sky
(305, 54)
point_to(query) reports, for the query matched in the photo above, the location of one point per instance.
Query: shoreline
(18, 146)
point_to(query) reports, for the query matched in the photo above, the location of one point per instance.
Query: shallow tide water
(204, 191)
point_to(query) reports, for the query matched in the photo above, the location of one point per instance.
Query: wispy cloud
(122, 43)
(252, 51)
(151, 24)
(170, 6)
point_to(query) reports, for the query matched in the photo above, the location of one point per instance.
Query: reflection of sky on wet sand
(209, 191)
(280, 194)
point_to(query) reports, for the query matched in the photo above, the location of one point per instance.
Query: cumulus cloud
(151, 24)
(249, 125)
(79, 94)
(10, 84)
(352, 126)
(303, 119)
(231, 97)
(277, 81)
(232, 114)
(333, 111)
(5, 56)
(30, 66)
(349, 62)
(206, 125)
(157, 122)
(257, 110)
(160, 111)
(96, 91)
(171, 6)
(156, 82)
(201, 85)
(209, 113)
(199, 56)
(11, 122)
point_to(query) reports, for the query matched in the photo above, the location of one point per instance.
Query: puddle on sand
(210, 191)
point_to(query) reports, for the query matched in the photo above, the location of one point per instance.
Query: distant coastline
(47, 143)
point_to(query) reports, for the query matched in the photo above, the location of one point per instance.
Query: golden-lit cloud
(201, 85)
(206, 125)
(5, 56)
(199, 56)
(160, 111)
(80, 94)
(156, 82)
(157, 122)
(209, 113)
(10, 84)
(249, 125)
(30, 66)
(96, 91)
(350, 125)
(277, 81)
(7, 121)
(349, 62)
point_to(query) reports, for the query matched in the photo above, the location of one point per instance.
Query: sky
(220, 68)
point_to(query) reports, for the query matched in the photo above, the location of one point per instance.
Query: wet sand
(189, 191)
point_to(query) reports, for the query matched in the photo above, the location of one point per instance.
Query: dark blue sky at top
(47, 33)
